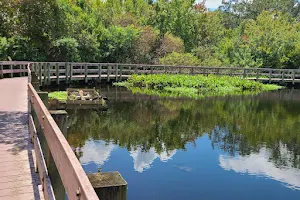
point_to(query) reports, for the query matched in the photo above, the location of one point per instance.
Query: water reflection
(260, 164)
(142, 160)
(255, 135)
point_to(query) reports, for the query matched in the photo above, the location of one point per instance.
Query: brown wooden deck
(18, 179)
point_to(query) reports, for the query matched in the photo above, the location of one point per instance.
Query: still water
(240, 147)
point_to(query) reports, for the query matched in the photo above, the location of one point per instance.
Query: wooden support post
(244, 74)
(39, 65)
(45, 73)
(151, 69)
(257, 74)
(11, 68)
(282, 78)
(1, 71)
(23, 67)
(71, 72)
(165, 69)
(192, 71)
(294, 74)
(109, 185)
(108, 73)
(136, 69)
(270, 76)
(57, 73)
(116, 66)
(99, 72)
(121, 68)
(85, 73)
(67, 72)
(61, 119)
(48, 74)
(35, 81)
(20, 68)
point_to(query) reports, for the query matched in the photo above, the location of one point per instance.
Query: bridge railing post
(99, 71)
(294, 74)
(1, 71)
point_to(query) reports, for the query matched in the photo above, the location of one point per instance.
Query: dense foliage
(240, 33)
(193, 86)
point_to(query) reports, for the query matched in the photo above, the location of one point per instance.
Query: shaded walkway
(18, 179)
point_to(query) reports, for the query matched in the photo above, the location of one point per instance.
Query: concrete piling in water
(109, 185)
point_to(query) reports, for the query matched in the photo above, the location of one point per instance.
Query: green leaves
(193, 86)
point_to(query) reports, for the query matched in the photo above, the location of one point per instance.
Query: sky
(211, 3)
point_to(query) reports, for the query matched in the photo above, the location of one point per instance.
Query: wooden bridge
(57, 72)
(26, 127)
(30, 136)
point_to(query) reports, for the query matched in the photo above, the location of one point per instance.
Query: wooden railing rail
(11, 68)
(68, 71)
(74, 178)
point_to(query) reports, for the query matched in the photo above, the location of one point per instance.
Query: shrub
(3, 48)
(144, 45)
(169, 44)
(65, 49)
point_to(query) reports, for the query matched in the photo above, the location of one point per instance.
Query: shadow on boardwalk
(17, 171)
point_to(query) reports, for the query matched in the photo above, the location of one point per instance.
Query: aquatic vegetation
(59, 95)
(193, 86)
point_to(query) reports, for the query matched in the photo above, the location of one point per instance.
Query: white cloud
(211, 3)
(259, 165)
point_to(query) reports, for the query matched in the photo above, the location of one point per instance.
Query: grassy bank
(193, 86)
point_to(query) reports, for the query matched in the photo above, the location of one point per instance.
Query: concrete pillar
(109, 185)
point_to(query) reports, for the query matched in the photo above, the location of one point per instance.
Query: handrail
(73, 177)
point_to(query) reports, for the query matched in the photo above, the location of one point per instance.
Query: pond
(238, 147)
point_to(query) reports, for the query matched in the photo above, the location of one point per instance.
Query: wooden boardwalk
(18, 179)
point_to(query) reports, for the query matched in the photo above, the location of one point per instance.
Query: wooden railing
(73, 177)
(13, 68)
(65, 71)
(57, 72)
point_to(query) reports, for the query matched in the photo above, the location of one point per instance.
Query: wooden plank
(72, 175)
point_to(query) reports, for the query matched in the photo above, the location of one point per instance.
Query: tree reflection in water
(242, 127)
